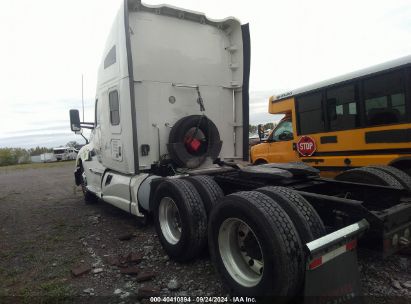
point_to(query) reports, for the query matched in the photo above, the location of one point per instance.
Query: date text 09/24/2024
(203, 299)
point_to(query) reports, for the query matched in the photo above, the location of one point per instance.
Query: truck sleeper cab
(170, 139)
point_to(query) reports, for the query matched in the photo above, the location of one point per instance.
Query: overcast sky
(48, 44)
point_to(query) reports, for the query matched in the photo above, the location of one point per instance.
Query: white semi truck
(170, 139)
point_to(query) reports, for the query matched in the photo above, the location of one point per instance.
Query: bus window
(384, 99)
(342, 108)
(310, 117)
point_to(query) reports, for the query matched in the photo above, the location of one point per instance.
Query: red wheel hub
(192, 144)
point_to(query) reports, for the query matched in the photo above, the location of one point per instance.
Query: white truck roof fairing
(363, 72)
(165, 50)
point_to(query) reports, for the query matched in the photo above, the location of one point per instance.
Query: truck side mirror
(260, 130)
(75, 121)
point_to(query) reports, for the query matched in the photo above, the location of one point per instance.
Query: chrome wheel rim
(170, 221)
(241, 252)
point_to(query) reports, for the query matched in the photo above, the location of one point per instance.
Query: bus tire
(399, 175)
(255, 246)
(208, 189)
(260, 162)
(368, 175)
(180, 219)
(306, 220)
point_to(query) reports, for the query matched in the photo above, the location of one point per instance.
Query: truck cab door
(93, 165)
(111, 131)
(281, 143)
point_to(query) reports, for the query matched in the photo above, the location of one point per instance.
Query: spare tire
(192, 139)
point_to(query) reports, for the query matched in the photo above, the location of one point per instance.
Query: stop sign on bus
(306, 146)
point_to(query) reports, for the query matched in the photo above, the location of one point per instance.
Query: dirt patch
(47, 231)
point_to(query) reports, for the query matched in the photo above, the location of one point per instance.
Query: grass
(9, 277)
(48, 292)
(38, 279)
(35, 166)
(54, 289)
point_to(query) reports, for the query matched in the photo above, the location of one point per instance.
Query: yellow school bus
(355, 120)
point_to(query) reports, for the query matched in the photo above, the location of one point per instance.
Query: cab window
(96, 115)
(283, 132)
(114, 108)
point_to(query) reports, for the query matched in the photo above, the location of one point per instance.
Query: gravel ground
(47, 232)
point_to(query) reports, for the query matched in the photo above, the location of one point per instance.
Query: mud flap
(332, 274)
(77, 176)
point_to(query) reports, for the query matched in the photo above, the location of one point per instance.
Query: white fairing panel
(170, 46)
(114, 143)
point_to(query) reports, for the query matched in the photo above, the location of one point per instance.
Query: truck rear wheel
(208, 189)
(306, 220)
(368, 175)
(180, 219)
(399, 175)
(254, 246)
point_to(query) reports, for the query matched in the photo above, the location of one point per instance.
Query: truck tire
(89, 197)
(180, 219)
(368, 175)
(255, 246)
(399, 175)
(208, 189)
(306, 220)
(177, 145)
